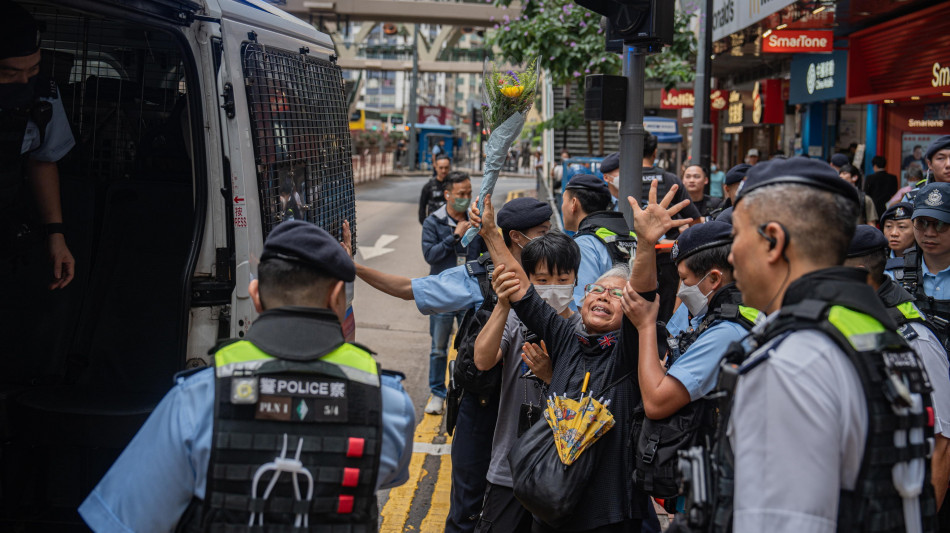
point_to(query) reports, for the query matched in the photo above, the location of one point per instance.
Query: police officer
(34, 135)
(937, 158)
(734, 177)
(610, 168)
(665, 180)
(712, 301)
(602, 235)
(292, 427)
(868, 250)
(899, 231)
(926, 272)
(432, 197)
(808, 455)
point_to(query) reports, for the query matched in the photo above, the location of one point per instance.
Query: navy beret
(725, 215)
(310, 245)
(736, 173)
(898, 211)
(588, 181)
(523, 213)
(940, 144)
(866, 240)
(21, 34)
(840, 160)
(701, 237)
(933, 200)
(797, 171)
(610, 163)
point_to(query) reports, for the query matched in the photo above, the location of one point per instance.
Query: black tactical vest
(725, 305)
(611, 228)
(936, 311)
(891, 375)
(296, 443)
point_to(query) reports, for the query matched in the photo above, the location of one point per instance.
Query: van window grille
(301, 135)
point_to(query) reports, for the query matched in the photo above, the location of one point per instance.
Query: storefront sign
(730, 16)
(767, 104)
(902, 58)
(659, 125)
(677, 98)
(736, 109)
(798, 41)
(731, 130)
(818, 78)
(924, 123)
(717, 100)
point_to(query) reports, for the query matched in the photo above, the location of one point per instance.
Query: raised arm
(500, 254)
(488, 349)
(650, 224)
(391, 284)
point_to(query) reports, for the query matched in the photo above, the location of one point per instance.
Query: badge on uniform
(244, 390)
(302, 399)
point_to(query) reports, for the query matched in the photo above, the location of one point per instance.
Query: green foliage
(569, 42)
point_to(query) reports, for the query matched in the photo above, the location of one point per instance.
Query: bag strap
(616, 382)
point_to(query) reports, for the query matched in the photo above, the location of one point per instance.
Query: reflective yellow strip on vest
(750, 314)
(860, 329)
(605, 234)
(357, 364)
(909, 310)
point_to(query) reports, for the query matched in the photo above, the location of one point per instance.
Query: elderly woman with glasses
(605, 345)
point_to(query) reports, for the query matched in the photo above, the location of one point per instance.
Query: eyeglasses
(920, 224)
(593, 288)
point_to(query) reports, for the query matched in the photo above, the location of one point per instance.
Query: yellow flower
(513, 91)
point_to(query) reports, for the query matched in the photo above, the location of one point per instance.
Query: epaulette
(908, 332)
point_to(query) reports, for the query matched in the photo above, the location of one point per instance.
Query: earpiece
(772, 241)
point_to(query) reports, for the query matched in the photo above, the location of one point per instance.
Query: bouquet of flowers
(509, 95)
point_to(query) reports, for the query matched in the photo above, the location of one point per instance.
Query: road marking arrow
(378, 249)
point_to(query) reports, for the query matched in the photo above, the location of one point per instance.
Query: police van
(200, 125)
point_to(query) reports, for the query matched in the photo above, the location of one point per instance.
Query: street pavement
(389, 238)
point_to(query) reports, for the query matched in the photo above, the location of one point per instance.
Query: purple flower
(603, 59)
(484, 105)
(587, 13)
(551, 58)
(491, 18)
(507, 20)
(573, 44)
(496, 26)
(525, 34)
(507, 28)
(514, 76)
(583, 24)
(577, 74)
(566, 10)
(541, 10)
(587, 70)
(561, 18)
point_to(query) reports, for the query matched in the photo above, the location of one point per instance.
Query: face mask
(693, 298)
(526, 237)
(461, 204)
(17, 95)
(615, 181)
(714, 168)
(557, 296)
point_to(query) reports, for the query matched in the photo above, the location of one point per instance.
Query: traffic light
(635, 21)
(476, 120)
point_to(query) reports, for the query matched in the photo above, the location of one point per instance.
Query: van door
(288, 139)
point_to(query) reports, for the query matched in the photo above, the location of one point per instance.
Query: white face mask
(615, 181)
(694, 299)
(557, 296)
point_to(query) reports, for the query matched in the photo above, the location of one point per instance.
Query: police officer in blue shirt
(710, 296)
(899, 231)
(926, 272)
(937, 159)
(34, 135)
(600, 234)
(293, 426)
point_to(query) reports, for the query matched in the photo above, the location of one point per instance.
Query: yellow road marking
(396, 512)
(439, 505)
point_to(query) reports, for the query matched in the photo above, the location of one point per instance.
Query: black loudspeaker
(605, 97)
(636, 21)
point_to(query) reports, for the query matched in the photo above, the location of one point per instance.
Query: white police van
(199, 126)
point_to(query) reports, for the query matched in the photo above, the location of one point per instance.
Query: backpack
(484, 384)
(611, 228)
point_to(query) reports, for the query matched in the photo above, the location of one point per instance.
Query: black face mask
(17, 95)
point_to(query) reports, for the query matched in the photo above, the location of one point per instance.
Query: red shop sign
(798, 41)
(904, 57)
(677, 98)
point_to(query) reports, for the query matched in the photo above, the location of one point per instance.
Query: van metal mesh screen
(302, 144)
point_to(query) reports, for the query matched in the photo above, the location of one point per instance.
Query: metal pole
(632, 132)
(413, 112)
(701, 150)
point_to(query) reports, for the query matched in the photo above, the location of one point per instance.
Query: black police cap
(933, 200)
(310, 245)
(725, 216)
(523, 213)
(866, 240)
(898, 211)
(736, 174)
(610, 163)
(797, 171)
(589, 182)
(21, 34)
(840, 160)
(701, 237)
(939, 144)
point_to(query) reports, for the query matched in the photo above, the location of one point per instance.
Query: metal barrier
(371, 167)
